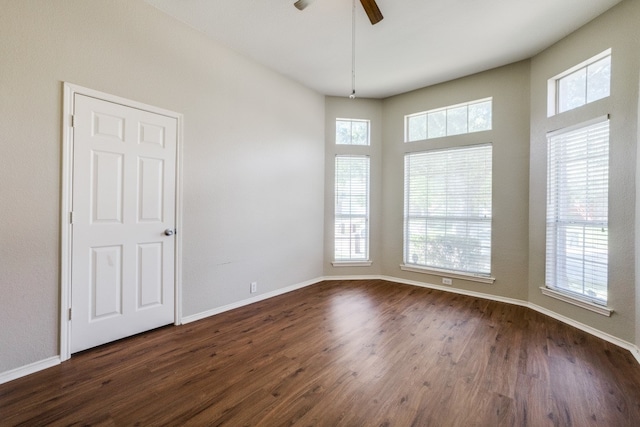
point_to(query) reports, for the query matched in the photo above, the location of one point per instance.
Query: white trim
(352, 263)
(65, 226)
(587, 305)
(29, 369)
(552, 83)
(448, 273)
(238, 304)
(586, 123)
(177, 273)
(69, 90)
(588, 329)
(635, 350)
(456, 290)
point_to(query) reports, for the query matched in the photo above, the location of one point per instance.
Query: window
(447, 221)
(351, 235)
(577, 210)
(474, 116)
(352, 132)
(580, 85)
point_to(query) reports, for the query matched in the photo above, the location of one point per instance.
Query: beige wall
(616, 29)
(510, 138)
(253, 157)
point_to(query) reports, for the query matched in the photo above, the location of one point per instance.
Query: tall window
(351, 236)
(580, 85)
(577, 210)
(447, 221)
(469, 117)
(352, 132)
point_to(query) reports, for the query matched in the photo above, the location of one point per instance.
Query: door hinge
(69, 314)
(71, 217)
(73, 121)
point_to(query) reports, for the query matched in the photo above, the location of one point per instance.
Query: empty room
(320, 212)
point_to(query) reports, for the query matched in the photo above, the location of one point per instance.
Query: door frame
(70, 90)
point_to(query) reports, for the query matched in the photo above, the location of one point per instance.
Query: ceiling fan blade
(373, 12)
(301, 4)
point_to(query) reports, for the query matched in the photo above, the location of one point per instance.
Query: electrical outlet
(254, 287)
(447, 281)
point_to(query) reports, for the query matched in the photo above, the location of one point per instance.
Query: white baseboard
(635, 350)
(31, 368)
(636, 353)
(261, 297)
(588, 329)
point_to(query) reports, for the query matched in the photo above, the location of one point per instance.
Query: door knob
(168, 232)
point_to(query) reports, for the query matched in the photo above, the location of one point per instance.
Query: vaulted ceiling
(417, 44)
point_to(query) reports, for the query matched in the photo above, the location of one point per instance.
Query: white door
(123, 220)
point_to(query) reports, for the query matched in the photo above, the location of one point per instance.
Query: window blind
(577, 233)
(351, 224)
(447, 222)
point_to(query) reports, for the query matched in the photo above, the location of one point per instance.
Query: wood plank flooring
(342, 353)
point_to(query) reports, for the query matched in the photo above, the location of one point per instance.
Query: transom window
(447, 222)
(474, 116)
(352, 132)
(587, 82)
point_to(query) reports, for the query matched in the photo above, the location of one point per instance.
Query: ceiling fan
(370, 6)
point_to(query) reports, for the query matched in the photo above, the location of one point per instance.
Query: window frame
(365, 260)
(479, 276)
(553, 91)
(466, 105)
(352, 121)
(553, 213)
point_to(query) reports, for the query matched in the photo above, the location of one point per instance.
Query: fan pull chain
(353, 51)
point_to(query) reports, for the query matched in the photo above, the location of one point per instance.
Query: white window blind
(447, 221)
(577, 211)
(351, 235)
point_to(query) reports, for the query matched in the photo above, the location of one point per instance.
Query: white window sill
(583, 303)
(448, 273)
(352, 263)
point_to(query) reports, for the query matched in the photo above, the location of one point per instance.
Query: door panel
(150, 275)
(106, 187)
(106, 282)
(122, 270)
(151, 191)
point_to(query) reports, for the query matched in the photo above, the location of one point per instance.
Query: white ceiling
(419, 42)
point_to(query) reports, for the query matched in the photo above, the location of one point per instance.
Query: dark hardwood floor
(343, 353)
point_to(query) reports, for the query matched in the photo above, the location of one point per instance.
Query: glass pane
(417, 127)
(343, 132)
(351, 240)
(437, 124)
(457, 120)
(359, 133)
(599, 79)
(572, 90)
(480, 116)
